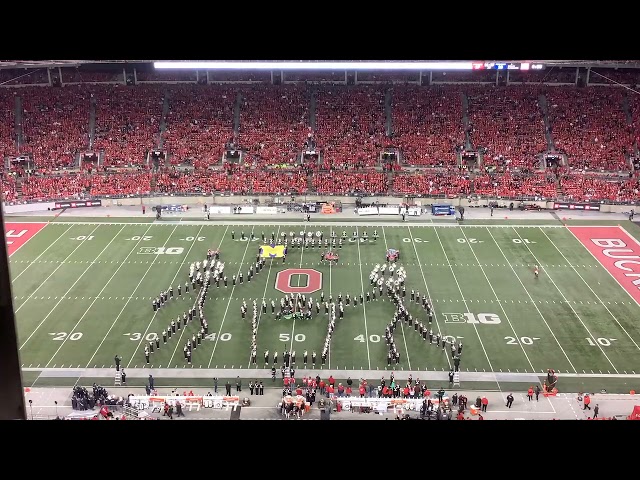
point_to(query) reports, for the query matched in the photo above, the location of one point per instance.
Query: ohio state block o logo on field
(287, 284)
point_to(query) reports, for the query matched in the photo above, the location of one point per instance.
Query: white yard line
(61, 264)
(406, 349)
(533, 302)
(364, 308)
(424, 279)
(70, 288)
(143, 337)
(184, 327)
(498, 298)
(594, 293)
(264, 294)
(330, 249)
(43, 252)
(134, 291)
(96, 298)
(293, 325)
(565, 298)
(230, 298)
(114, 322)
(465, 303)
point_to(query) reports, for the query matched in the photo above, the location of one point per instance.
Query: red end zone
(616, 251)
(17, 234)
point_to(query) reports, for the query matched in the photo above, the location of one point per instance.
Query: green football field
(82, 294)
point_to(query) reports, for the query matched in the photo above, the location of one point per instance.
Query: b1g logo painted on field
(160, 250)
(299, 280)
(483, 318)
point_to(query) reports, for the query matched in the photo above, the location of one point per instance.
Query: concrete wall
(348, 202)
(29, 207)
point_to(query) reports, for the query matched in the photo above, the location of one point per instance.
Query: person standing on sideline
(485, 403)
(123, 377)
(238, 384)
(215, 384)
(537, 392)
(227, 387)
(596, 409)
(117, 359)
(509, 400)
(151, 381)
(587, 401)
(530, 393)
(144, 209)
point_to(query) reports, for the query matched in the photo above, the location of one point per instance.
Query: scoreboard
(506, 66)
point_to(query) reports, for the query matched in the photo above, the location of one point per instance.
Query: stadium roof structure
(76, 63)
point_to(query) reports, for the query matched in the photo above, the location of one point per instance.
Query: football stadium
(313, 240)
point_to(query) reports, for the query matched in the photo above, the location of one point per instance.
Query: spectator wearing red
(332, 381)
(485, 403)
(362, 391)
(322, 386)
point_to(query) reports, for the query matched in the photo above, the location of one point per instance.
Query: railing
(390, 192)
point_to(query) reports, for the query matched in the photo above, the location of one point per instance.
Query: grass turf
(80, 302)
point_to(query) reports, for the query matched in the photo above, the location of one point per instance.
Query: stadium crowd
(595, 128)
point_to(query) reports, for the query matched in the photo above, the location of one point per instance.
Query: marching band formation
(201, 274)
(386, 278)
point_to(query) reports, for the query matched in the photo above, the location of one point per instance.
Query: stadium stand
(427, 124)
(273, 123)
(596, 127)
(508, 123)
(590, 126)
(127, 122)
(350, 125)
(55, 124)
(199, 123)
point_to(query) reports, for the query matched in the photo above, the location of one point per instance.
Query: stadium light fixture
(312, 65)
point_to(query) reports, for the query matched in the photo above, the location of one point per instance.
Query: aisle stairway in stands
(312, 108)
(310, 182)
(92, 122)
(629, 117)
(465, 121)
(18, 122)
(388, 113)
(236, 114)
(163, 120)
(542, 103)
(19, 185)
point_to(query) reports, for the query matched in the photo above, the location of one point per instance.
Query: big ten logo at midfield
(160, 250)
(480, 318)
(299, 280)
